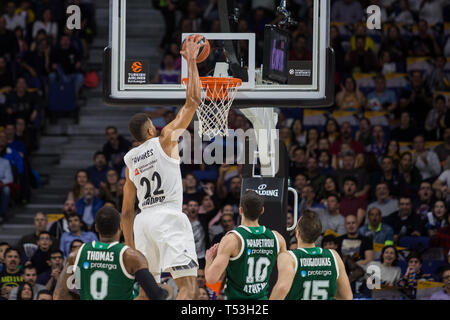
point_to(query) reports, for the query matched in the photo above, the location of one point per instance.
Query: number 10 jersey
(157, 176)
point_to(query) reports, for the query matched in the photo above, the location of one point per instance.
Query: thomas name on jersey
(100, 256)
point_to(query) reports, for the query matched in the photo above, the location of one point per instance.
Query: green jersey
(316, 271)
(101, 272)
(247, 274)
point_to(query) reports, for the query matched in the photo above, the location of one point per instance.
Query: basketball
(204, 51)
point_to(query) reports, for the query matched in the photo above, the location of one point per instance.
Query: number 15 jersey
(157, 176)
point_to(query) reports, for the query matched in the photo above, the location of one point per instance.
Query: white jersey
(157, 176)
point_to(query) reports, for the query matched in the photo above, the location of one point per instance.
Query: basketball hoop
(217, 96)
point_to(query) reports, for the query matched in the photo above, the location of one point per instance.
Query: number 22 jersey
(157, 176)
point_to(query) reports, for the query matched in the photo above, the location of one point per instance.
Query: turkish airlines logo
(136, 172)
(136, 67)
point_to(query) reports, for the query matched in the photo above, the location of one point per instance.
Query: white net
(217, 97)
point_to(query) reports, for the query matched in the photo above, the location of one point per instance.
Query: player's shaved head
(309, 226)
(107, 221)
(138, 125)
(252, 204)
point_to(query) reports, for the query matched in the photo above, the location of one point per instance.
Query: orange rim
(217, 87)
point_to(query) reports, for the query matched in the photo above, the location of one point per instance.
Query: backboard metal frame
(320, 94)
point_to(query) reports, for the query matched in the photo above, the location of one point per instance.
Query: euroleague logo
(136, 67)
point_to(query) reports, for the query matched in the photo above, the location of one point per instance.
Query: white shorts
(165, 237)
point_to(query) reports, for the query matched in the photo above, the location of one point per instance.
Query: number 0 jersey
(316, 271)
(102, 274)
(247, 274)
(157, 176)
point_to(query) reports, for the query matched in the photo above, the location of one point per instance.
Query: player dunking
(310, 272)
(247, 255)
(162, 232)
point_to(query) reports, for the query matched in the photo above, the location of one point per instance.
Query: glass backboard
(283, 61)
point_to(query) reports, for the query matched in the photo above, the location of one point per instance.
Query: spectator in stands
(228, 224)
(350, 98)
(349, 170)
(350, 204)
(438, 119)
(24, 292)
(41, 256)
(115, 148)
(6, 79)
(62, 225)
(426, 161)
(19, 146)
(409, 173)
(438, 80)
(25, 135)
(443, 294)
(425, 200)
(331, 132)
(44, 295)
(97, 172)
(402, 14)
(167, 73)
(297, 165)
(66, 62)
(315, 178)
(6, 178)
(330, 217)
(442, 239)
(75, 244)
(329, 242)
(81, 178)
(432, 11)
(22, 104)
(75, 233)
(414, 273)
(298, 132)
(300, 49)
(190, 189)
(404, 221)
(354, 245)
(424, 43)
(406, 131)
(40, 225)
(420, 98)
(386, 64)
(88, 205)
(233, 194)
(360, 30)
(379, 145)
(324, 163)
(3, 247)
(312, 142)
(50, 277)
(384, 201)
(376, 230)
(330, 186)
(381, 99)
(6, 39)
(29, 276)
(360, 59)
(364, 134)
(13, 19)
(346, 137)
(443, 149)
(349, 11)
(388, 174)
(11, 274)
(307, 201)
(437, 218)
(108, 190)
(390, 273)
(46, 23)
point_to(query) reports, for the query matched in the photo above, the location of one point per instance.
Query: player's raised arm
(172, 131)
(281, 242)
(344, 291)
(286, 274)
(62, 291)
(218, 256)
(129, 196)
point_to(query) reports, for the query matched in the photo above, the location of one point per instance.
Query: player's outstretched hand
(211, 252)
(192, 47)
